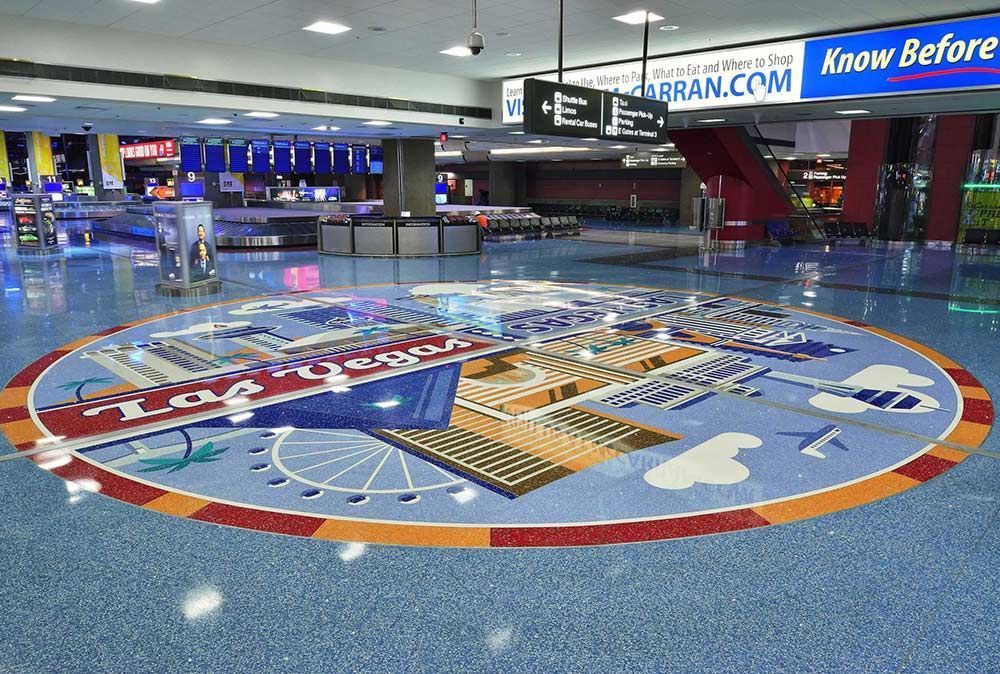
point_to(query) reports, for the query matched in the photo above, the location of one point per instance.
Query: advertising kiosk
(35, 220)
(185, 241)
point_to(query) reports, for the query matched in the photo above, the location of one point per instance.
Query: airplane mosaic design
(494, 413)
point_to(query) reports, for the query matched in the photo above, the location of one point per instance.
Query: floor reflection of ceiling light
(351, 551)
(386, 404)
(340, 389)
(201, 603)
(283, 429)
(49, 441)
(240, 418)
(52, 460)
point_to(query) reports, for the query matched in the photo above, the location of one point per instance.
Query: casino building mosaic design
(505, 413)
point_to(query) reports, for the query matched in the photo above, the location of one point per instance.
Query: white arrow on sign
(660, 122)
(546, 107)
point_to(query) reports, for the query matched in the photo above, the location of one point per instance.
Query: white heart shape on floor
(711, 462)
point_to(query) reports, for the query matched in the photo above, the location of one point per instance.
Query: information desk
(398, 237)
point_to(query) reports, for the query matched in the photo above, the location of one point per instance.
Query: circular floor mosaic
(505, 413)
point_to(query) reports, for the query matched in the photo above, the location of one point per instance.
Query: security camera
(86, 126)
(476, 43)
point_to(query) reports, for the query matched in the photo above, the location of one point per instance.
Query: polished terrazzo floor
(902, 584)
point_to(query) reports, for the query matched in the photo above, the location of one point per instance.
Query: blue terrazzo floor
(906, 584)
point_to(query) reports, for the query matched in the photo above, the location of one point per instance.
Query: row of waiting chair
(982, 237)
(846, 230)
(530, 226)
(609, 213)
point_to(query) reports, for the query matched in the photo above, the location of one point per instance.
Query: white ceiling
(416, 30)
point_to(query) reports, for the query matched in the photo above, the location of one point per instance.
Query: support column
(408, 178)
(690, 188)
(952, 147)
(5, 174)
(508, 184)
(864, 161)
(355, 188)
(40, 162)
(106, 170)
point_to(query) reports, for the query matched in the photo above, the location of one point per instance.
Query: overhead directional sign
(648, 160)
(555, 109)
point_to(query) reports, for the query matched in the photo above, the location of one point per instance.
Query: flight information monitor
(238, 155)
(303, 156)
(215, 155)
(359, 159)
(321, 158)
(375, 159)
(282, 156)
(261, 152)
(341, 158)
(191, 155)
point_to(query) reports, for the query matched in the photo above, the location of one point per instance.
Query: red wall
(952, 146)
(618, 188)
(864, 159)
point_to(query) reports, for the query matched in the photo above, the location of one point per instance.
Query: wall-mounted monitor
(321, 158)
(260, 150)
(282, 157)
(341, 158)
(238, 155)
(303, 156)
(359, 159)
(215, 155)
(375, 159)
(191, 161)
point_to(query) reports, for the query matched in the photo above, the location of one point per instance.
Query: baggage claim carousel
(257, 227)
(234, 227)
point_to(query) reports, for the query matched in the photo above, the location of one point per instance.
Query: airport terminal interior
(499, 336)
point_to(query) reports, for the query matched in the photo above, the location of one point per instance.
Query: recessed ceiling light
(326, 128)
(669, 27)
(668, 145)
(853, 112)
(327, 27)
(513, 54)
(12, 108)
(458, 137)
(539, 150)
(517, 133)
(824, 154)
(448, 153)
(619, 147)
(638, 17)
(262, 115)
(33, 99)
(790, 158)
(378, 122)
(590, 140)
(713, 120)
(537, 141)
(214, 120)
(457, 51)
(147, 2)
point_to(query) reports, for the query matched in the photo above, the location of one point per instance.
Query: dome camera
(476, 42)
(86, 126)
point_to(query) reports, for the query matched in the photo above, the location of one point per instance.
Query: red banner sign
(151, 150)
(228, 394)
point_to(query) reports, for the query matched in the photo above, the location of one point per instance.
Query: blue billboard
(948, 55)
